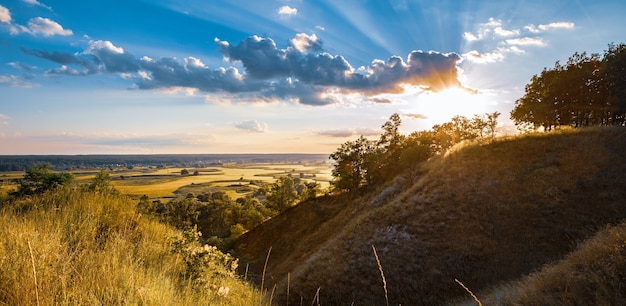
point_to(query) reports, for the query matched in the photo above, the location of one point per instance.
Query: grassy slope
(74, 248)
(484, 214)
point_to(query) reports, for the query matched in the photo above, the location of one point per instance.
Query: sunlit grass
(75, 248)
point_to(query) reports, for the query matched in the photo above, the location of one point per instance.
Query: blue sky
(270, 76)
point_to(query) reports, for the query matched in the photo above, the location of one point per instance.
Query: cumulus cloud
(35, 26)
(111, 58)
(5, 15)
(302, 72)
(252, 126)
(262, 59)
(286, 10)
(45, 27)
(40, 26)
(303, 43)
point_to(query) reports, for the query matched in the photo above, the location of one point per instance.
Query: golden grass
(74, 248)
(593, 274)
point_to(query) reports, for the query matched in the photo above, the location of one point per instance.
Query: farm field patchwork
(235, 180)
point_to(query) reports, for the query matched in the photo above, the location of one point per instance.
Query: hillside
(485, 214)
(68, 247)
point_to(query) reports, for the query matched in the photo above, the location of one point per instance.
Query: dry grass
(74, 248)
(594, 274)
(486, 214)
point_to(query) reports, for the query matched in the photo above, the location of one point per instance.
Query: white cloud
(508, 41)
(470, 37)
(144, 75)
(45, 27)
(252, 126)
(4, 117)
(36, 3)
(527, 41)
(5, 15)
(15, 81)
(287, 11)
(550, 26)
(102, 44)
(493, 27)
(502, 32)
(497, 55)
(303, 42)
(483, 58)
(194, 62)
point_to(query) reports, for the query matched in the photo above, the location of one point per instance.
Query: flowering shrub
(204, 264)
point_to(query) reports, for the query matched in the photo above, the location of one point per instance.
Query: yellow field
(164, 182)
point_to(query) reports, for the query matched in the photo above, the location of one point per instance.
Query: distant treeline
(73, 162)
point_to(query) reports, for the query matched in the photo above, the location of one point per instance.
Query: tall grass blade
(263, 275)
(469, 291)
(32, 259)
(382, 274)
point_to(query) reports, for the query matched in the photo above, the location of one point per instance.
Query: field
(164, 183)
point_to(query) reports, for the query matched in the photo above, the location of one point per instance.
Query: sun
(440, 107)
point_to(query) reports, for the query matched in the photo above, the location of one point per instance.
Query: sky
(271, 76)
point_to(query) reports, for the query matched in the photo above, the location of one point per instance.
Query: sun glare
(439, 107)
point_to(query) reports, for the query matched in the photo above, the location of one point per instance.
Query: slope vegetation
(68, 247)
(485, 214)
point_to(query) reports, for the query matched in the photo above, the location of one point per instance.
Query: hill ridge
(485, 214)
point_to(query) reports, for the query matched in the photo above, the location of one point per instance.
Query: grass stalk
(469, 291)
(32, 260)
(382, 274)
(317, 297)
(263, 275)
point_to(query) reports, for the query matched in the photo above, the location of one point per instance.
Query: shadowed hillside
(485, 214)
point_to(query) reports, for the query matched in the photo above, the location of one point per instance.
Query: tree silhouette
(588, 90)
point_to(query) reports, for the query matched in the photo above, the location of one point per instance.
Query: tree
(182, 213)
(101, 183)
(282, 194)
(387, 151)
(184, 172)
(353, 164)
(310, 191)
(588, 90)
(492, 124)
(418, 148)
(613, 67)
(39, 179)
